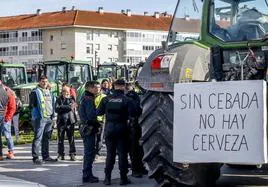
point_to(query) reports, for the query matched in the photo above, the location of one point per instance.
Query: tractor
(73, 72)
(112, 70)
(108, 70)
(13, 74)
(232, 45)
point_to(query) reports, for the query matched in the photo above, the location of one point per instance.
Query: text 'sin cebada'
(220, 122)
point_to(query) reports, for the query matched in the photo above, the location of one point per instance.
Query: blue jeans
(89, 154)
(6, 128)
(42, 134)
(16, 125)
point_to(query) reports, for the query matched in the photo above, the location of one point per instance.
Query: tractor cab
(238, 21)
(13, 74)
(113, 70)
(224, 22)
(74, 73)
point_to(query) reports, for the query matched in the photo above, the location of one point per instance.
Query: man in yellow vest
(42, 102)
(100, 119)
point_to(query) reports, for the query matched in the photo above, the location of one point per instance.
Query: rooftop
(85, 18)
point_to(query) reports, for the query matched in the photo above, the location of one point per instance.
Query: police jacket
(136, 102)
(106, 91)
(117, 108)
(87, 110)
(65, 109)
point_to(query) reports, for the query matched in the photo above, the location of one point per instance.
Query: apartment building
(93, 36)
(21, 46)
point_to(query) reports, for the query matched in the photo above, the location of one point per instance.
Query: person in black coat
(135, 149)
(89, 129)
(65, 122)
(118, 109)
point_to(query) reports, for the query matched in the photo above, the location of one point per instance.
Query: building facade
(21, 46)
(93, 36)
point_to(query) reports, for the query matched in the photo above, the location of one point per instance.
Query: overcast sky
(16, 7)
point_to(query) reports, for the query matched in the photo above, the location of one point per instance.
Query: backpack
(3, 97)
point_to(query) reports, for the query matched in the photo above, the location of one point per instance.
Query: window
(4, 35)
(51, 37)
(51, 51)
(90, 49)
(110, 47)
(24, 34)
(14, 48)
(110, 34)
(33, 46)
(90, 35)
(24, 48)
(34, 33)
(97, 46)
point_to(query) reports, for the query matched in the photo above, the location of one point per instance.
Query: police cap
(120, 82)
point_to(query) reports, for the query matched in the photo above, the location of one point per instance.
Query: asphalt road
(68, 174)
(62, 173)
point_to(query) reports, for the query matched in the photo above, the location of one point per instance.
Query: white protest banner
(220, 122)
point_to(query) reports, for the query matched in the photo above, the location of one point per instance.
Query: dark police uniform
(136, 150)
(88, 117)
(118, 110)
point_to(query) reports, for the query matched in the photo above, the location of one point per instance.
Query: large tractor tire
(157, 142)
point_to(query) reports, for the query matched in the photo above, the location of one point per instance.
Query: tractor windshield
(186, 21)
(78, 73)
(56, 73)
(13, 76)
(106, 71)
(238, 20)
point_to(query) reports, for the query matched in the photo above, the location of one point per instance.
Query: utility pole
(96, 55)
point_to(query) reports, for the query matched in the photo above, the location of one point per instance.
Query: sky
(17, 7)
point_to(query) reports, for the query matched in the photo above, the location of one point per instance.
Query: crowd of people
(108, 113)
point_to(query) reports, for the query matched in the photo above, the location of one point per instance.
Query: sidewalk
(62, 173)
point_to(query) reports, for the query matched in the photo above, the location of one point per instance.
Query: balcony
(30, 39)
(7, 53)
(8, 40)
(34, 52)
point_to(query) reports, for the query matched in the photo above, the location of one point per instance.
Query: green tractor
(112, 70)
(108, 70)
(233, 45)
(13, 75)
(73, 72)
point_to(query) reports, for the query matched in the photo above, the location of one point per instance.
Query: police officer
(89, 129)
(136, 150)
(118, 110)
